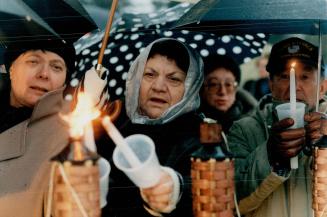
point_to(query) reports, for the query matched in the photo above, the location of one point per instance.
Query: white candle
(294, 160)
(293, 93)
(120, 142)
(89, 137)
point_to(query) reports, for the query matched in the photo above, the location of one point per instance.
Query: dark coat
(244, 105)
(174, 141)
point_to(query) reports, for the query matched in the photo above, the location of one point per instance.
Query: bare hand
(313, 125)
(284, 143)
(158, 197)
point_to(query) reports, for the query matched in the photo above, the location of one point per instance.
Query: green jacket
(260, 191)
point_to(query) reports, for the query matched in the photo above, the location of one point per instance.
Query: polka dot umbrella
(132, 32)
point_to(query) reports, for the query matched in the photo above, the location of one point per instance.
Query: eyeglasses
(215, 86)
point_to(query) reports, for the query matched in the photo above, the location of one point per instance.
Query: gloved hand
(284, 143)
(95, 86)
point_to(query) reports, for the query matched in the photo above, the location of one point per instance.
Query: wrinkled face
(220, 89)
(33, 74)
(162, 86)
(306, 78)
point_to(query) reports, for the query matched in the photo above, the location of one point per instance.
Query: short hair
(173, 50)
(217, 61)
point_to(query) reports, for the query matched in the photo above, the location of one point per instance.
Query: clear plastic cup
(284, 111)
(148, 173)
(104, 170)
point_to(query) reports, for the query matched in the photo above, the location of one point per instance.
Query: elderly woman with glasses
(222, 100)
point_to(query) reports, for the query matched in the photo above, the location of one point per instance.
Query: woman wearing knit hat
(31, 131)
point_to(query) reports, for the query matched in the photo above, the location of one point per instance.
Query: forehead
(220, 73)
(43, 54)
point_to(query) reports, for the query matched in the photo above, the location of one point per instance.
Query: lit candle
(89, 137)
(120, 142)
(294, 160)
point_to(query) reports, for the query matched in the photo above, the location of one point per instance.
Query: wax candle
(120, 142)
(294, 160)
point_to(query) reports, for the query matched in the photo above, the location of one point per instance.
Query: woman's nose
(43, 72)
(159, 84)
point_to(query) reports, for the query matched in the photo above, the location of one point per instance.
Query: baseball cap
(292, 48)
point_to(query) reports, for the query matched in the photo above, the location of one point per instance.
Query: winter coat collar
(13, 146)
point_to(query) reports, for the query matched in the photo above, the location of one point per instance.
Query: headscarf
(190, 100)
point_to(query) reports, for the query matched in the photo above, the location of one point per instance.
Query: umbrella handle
(106, 35)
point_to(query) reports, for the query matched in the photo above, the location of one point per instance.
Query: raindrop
(210, 42)
(141, 49)
(113, 60)
(225, 39)
(204, 52)
(129, 56)
(249, 37)
(198, 37)
(87, 60)
(168, 33)
(134, 37)
(86, 52)
(237, 49)
(74, 82)
(253, 51)
(94, 62)
(185, 32)
(112, 83)
(194, 45)
(260, 50)
(221, 51)
(119, 91)
(123, 48)
(119, 36)
(247, 59)
(138, 44)
(124, 76)
(181, 39)
(257, 44)
(94, 53)
(69, 97)
(119, 68)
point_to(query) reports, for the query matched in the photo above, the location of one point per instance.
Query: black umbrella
(132, 32)
(67, 17)
(18, 22)
(277, 16)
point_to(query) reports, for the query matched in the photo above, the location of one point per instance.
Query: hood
(190, 100)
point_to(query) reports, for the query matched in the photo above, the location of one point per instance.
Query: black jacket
(174, 142)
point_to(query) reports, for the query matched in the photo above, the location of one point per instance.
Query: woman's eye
(148, 74)
(57, 68)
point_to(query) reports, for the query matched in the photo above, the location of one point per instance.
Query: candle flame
(293, 64)
(83, 114)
